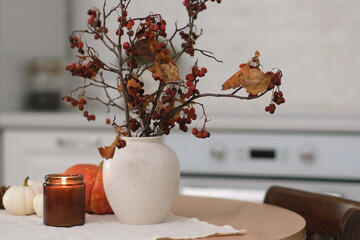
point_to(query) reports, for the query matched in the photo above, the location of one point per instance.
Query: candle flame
(63, 180)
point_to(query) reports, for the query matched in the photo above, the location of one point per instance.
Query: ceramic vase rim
(149, 138)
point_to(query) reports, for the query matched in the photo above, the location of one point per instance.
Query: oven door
(244, 164)
(253, 189)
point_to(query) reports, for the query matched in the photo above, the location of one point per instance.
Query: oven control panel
(280, 154)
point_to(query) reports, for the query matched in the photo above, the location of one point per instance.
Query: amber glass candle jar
(64, 200)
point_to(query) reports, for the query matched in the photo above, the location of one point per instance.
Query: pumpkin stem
(101, 164)
(26, 181)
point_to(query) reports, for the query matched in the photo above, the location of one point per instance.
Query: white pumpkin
(36, 186)
(18, 200)
(38, 204)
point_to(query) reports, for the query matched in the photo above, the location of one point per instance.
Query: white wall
(2, 85)
(29, 29)
(315, 43)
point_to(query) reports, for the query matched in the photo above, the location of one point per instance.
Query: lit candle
(64, 200)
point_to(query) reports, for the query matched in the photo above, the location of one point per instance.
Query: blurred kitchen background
(312, 142)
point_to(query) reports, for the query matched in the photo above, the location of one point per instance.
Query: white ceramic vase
(141, 181)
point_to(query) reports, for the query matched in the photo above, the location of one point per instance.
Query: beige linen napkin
(176, 227)
(108, 227)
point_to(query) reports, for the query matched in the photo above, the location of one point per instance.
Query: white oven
(243, 162)
(243, 157)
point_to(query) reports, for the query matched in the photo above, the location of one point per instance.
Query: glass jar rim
(63, 179)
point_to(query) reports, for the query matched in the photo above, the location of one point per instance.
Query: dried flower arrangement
(142, 44)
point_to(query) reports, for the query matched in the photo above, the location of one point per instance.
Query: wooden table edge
(230, 212)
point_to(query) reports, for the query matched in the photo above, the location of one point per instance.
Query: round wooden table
(261, 221)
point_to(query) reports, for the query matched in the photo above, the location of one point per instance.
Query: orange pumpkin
(95, 198)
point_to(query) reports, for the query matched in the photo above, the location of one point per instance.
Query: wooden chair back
(324, 214)
(350, 225)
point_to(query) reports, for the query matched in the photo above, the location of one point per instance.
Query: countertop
(298, 123)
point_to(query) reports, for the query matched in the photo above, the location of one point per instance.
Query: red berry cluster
(270, 108)
(119, 32)
(182, 121)
(74, 42)
(275, 80)
(189, 43)
(277, 96)
(160, 120)
(195, 6)
(136, 94)
(130, 24)
(188, 115)
(94, 20)
(122, 19)
(200, 134)
(162, 47)
(89, 70)
(191, 82)
(168, 96)
(134, 125)
(90, 117)
(120, 143)
(80, 104)
(152, 28)
(124, 23)
(130, 51)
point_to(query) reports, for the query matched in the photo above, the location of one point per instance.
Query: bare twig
(172, 102)
(208, 54)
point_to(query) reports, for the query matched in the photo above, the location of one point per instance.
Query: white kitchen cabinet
(37, 152)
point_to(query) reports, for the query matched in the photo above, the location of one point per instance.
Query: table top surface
(261, 221)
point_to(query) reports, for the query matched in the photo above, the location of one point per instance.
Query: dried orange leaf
(148, 99)
(157, 71)
(141, 31)
(176, 116)
(166, 107)
(166, 70)
(160, 106)
(143, 49)
(131, 83)
(154, 46)
(171, 72)
(252, 79)
(107, 152)
(118, 129)
(148, 48)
